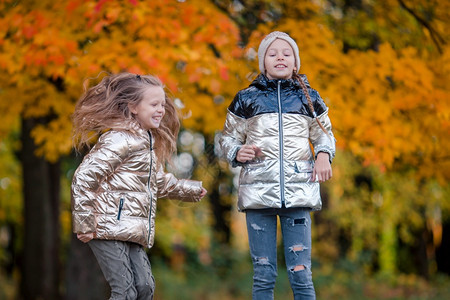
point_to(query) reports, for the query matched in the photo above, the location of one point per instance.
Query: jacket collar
(130, 125)
(262, 82)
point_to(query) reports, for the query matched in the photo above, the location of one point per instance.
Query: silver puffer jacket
(115, 188)
(274, 116)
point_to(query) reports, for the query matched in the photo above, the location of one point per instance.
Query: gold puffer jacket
(274, 116)
(115, 188)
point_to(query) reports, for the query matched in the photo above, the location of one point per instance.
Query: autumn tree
(48, 48)
(399, 117)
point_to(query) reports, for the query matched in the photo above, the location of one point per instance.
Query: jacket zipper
(149, 189)
(280, 121)
(120, 208)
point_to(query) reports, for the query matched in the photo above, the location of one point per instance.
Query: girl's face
(279, 60)
(151, 109)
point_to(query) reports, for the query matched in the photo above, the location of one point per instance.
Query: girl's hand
(85, 237)
(247, 153)
(203, 193)
(322, 168)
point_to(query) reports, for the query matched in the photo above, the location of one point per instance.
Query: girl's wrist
(323, 155)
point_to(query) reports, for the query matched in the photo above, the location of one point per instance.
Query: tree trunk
(220, 207)
(443, 263)
(41, 187)
(84, 279)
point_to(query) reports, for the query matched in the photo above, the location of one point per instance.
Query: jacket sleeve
(181, 189)
(320, 140)
(101, 161)
(232, 139)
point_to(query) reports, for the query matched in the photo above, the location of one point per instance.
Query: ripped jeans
(126, 267)
(262, 236)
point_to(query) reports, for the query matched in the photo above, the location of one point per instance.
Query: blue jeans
(262, 237)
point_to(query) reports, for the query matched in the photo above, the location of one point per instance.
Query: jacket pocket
(254, 166)
(303, 171)
(120, 208)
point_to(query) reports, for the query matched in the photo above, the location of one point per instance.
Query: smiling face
(279, 60)
(150, 110)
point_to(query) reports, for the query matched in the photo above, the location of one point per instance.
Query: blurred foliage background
(383, 68)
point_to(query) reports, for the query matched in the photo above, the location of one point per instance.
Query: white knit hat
(265, 43)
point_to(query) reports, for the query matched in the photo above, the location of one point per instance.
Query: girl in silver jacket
(115, 188)
(268, 132)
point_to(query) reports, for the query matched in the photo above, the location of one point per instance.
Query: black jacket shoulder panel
(262, 97)
(319, 105)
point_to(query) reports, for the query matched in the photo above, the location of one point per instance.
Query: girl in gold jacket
(116, 187)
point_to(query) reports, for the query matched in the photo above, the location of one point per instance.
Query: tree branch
(437, 39)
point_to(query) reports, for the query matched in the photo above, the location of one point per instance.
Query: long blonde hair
(105, 106)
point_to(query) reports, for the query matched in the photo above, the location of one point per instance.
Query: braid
(297, 77)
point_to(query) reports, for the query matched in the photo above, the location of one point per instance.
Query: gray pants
(126, 267)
